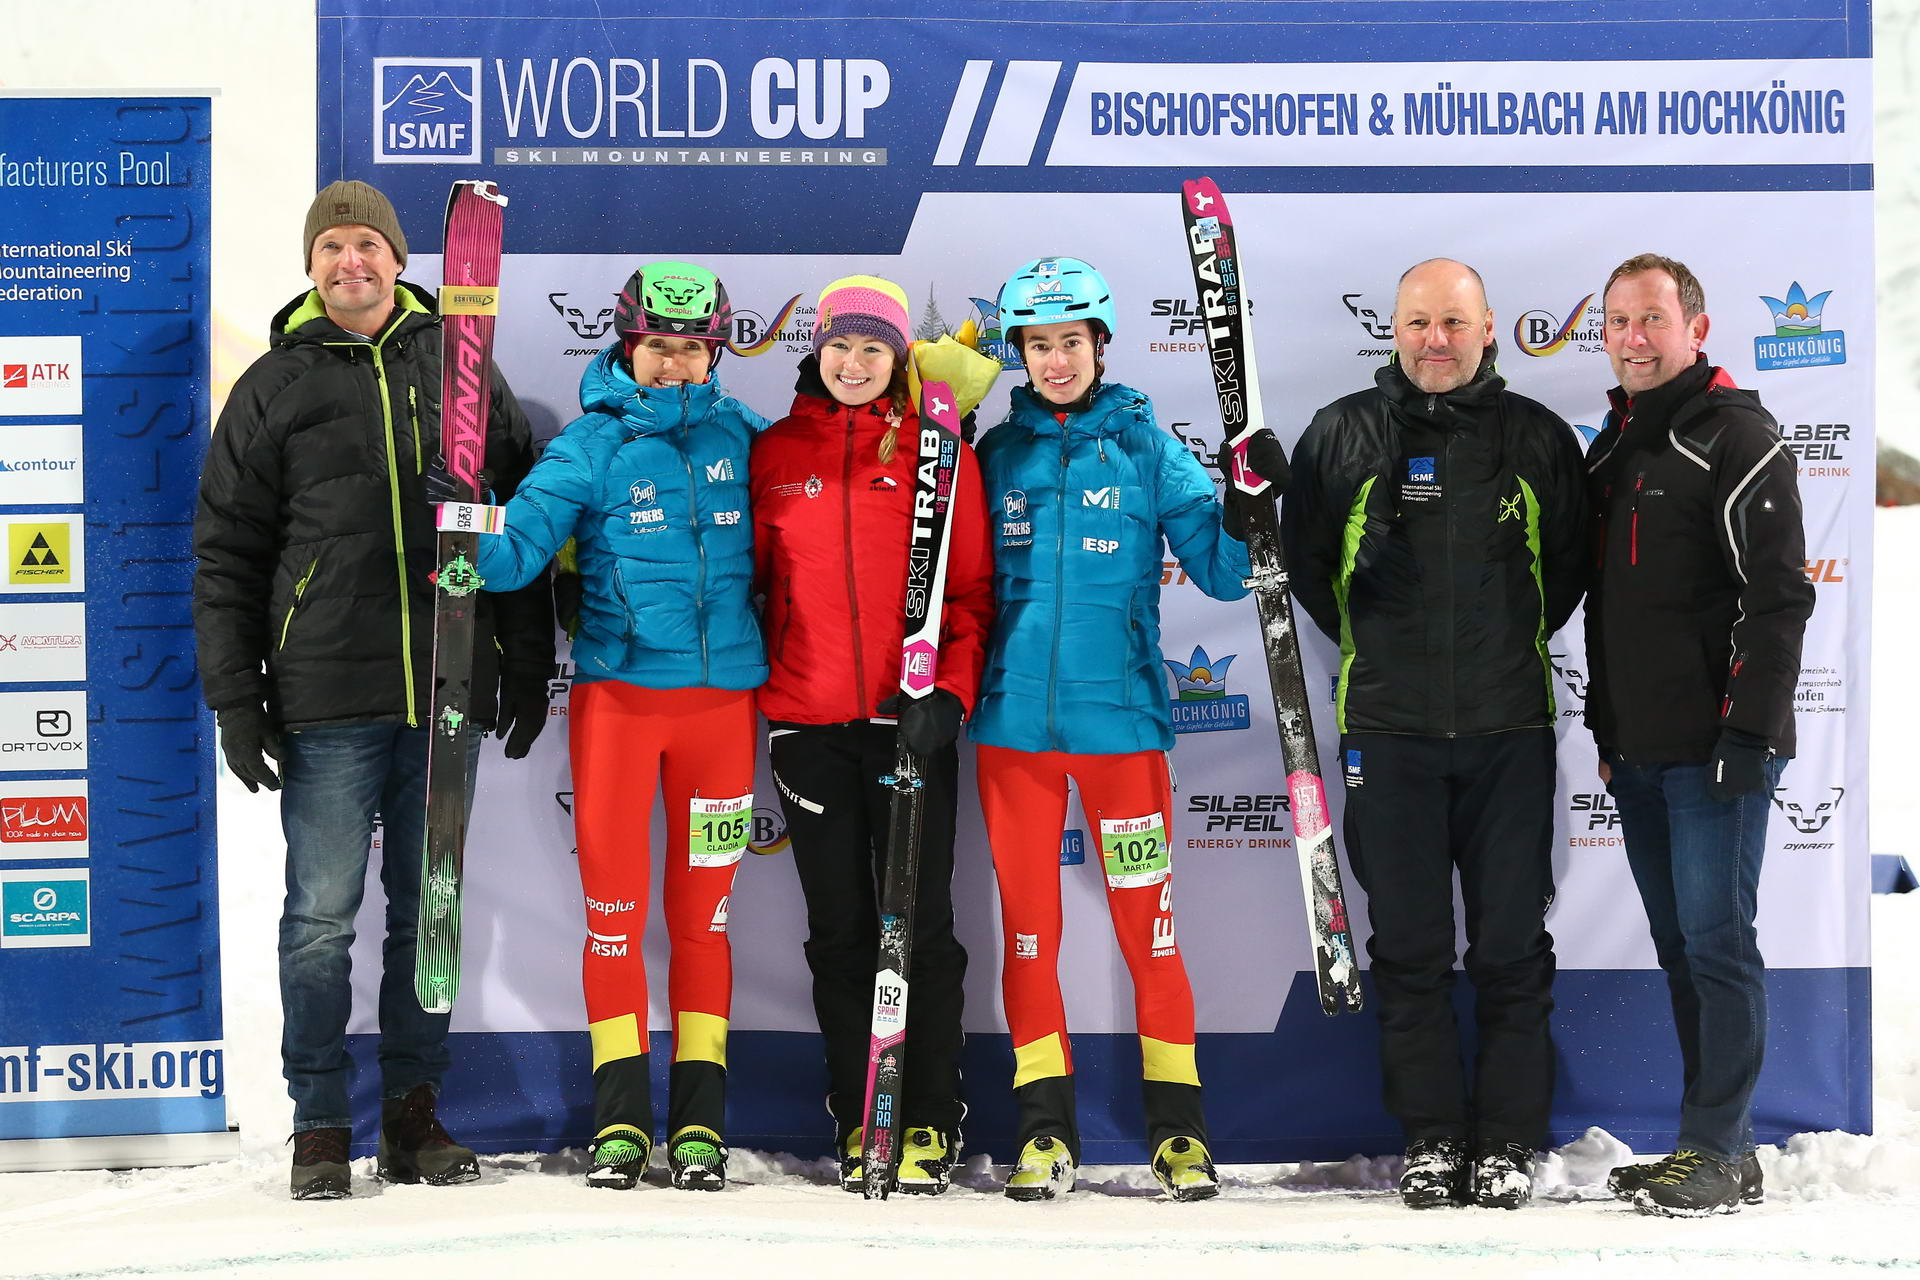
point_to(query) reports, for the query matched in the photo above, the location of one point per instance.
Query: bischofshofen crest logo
(1798, 340)
(426, 110)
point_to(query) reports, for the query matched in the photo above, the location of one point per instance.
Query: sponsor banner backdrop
(109, 932)
(946, 154)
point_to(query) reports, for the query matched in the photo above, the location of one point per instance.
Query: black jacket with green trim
(1440, 539)
(315, 537)
(1701, 598)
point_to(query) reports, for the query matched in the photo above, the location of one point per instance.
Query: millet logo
(426, 110)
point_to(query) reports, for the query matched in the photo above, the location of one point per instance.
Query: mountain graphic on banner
(45, 553)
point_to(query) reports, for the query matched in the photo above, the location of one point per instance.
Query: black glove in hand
(926, 724)
(1739, 765)
(1268, 460)
(247, 738)
(439, 484)
(523, 714)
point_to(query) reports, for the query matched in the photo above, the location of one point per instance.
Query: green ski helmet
(674, 300)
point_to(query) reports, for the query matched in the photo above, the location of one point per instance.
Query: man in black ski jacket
(1693, 647)
(313, 618)
(1435, 528)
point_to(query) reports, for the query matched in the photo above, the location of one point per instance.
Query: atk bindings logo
(1809, 813)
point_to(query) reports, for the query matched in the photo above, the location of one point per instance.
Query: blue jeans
(1696, 861)
(336, 778)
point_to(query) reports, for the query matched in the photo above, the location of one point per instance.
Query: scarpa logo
(1201, 703)
(426, 110)
(1798, 341)
(1541, 333)
(43, 911)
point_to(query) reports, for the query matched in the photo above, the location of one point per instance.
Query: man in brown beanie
(313, 616)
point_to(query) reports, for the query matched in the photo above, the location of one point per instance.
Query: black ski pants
(1417, 808)
(837, 817)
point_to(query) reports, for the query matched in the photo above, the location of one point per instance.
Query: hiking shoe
(320, 1168)
(853, 1162)
(1624, 1181)
(414, 1146)
(697, 1160)
(1503, 1175)
(618, 1158)
(1044, 1170)
(1185, 1169)
(1436, 1173)
(926, 1162)
(1690, 1184)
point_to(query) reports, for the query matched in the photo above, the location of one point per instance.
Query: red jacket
(830, 525)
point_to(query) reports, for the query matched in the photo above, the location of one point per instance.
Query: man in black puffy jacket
(313, 617)
(1435, 528)
(1693, 644)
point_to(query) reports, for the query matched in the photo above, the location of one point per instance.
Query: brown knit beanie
(352, 203)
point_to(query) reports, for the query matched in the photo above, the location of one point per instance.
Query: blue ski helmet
(1054, 290)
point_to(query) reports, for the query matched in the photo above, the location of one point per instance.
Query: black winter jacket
(1440, 539)
(1702, 596)
(315, 539)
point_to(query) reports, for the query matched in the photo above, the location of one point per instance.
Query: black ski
(1221, 284)
(469, 303)
(937, 466)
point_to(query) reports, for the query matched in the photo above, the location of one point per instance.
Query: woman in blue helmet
(1087, 490)
(651, 484)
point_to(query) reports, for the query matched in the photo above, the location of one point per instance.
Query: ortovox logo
(54, 723)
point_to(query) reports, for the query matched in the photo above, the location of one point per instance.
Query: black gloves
(1267, 457)
(926, 724)
(440, 486)
(523, 714)
(247, 738)
(567, 592)
(1738, 766)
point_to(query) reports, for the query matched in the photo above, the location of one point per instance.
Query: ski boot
(1185, 1169)
(697, 1160)
(1626, 1180)
(926, 1162)
(1436, 1173)
(853, 1162)
(415, 1147)
(1503, 1175)
(1690, 1185)
(320, 1168)
(1044, 1171)
(619, 1156)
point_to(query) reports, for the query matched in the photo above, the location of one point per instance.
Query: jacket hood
(304, 319)
(1446, 408)
(1683, 398)
(607, 387)
(1115, 408)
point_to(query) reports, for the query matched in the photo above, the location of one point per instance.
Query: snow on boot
(1044, 1171)
(1436, 1173)
(619, 1158)
(926, 1162)
(1503, 1175)
(1627, 1179)
(697, 1160)
(853, 1162)
(1690, 1185)
(415, 1146)
(320, 1168)
(1185, 1168)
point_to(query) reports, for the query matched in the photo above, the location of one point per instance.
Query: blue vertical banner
(110, 1024)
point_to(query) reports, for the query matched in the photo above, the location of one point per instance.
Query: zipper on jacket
(1059, 592)
(413, 412)
(632, 632)
(299, 590)
(699, 546)
(1633, 522)
(861, 690)
(1453, 603)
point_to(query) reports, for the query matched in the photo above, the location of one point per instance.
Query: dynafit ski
(1221, 284)
(936, 467)
(469, 304)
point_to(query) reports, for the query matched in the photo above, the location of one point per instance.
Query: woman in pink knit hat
(832, 491)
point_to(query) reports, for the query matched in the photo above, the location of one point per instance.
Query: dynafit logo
(1541, 333)
(1811, 811)
(1201, 703)
(426, 110)
(1798, 340)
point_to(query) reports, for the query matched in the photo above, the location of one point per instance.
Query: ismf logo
(1355, 772)
(1420, 471)
(1809, 812)
(1542, 333)
(1798, 340)
(1201, 703)
(43, 820)
(44, 909)
(426, 110)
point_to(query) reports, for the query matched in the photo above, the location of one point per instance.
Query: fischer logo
(1542, 333)
(426, 110)
(1809, 816)
(1201, 703)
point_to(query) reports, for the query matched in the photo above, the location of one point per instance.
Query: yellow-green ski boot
(926, 1162)
(1044, 1171)
(697, 1160)
(1185, 1168)
(620, 1156)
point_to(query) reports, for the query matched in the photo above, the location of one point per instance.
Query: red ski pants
(699, 743)
(1128, 802)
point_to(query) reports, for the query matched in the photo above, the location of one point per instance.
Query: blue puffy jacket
(1081, 509)
(652, 482)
